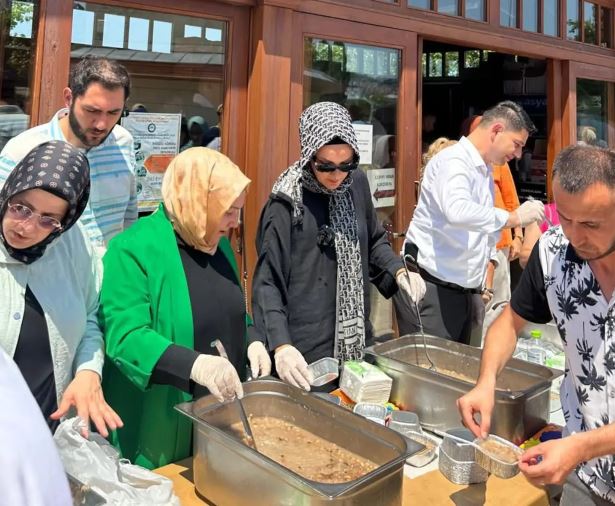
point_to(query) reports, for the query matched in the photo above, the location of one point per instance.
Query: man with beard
(98, 89)
(570, 277)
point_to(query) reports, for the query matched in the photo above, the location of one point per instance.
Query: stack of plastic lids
(364, 382)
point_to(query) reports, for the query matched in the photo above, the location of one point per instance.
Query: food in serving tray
(305, 453)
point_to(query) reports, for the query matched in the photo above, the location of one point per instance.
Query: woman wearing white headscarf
(171, 288)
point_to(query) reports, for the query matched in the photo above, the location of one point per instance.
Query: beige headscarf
(199, 186)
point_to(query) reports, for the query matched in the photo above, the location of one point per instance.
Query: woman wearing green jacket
(170, 289)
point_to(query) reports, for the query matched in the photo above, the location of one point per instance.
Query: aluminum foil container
(457, 449)
(374, 412)
(404, 422)
(324, 371)
(425, 456)
(492, 463)
(459, 471)
(228, 472)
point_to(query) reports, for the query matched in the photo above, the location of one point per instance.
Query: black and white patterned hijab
(319, 124)
(58, 168)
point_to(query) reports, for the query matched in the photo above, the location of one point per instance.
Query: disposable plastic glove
(531, 211)
(260, 363)
(411, 284)
(218, 375)
(292, 367)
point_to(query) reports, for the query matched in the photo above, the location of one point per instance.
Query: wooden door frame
(572, 71)
(308, 25)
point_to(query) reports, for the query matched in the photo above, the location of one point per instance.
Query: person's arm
(511, 203)
(528, 302)
(272, 274)
(125, 315)
(384, 263)
(532, 234)
(453, 187)
(553, 461)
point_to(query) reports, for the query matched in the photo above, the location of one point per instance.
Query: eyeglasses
(331, 167)
(24, 213)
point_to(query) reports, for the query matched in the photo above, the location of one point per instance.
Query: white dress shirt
(455, 224)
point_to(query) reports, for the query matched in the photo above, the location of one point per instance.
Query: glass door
(370, 76)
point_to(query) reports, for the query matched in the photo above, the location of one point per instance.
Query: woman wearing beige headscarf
(170, 290)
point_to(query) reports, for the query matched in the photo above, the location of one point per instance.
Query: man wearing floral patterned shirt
(570, 277)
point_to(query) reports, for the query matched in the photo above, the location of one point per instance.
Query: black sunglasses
(330, 167)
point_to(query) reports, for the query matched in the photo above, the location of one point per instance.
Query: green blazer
(144, 307)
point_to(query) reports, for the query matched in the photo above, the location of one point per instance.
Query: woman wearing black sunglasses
(318, 242)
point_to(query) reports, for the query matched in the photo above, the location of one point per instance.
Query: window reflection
(508, 13)
(593, 126)
(17, 46)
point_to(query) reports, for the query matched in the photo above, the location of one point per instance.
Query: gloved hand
(530, 211)
(260, 363)
(218, 375)
(292, 367)
(411, 284)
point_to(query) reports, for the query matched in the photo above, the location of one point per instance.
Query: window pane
(83, 27)
(138, 34)
(435, 64)
(589, 23)
(448, 7)
(424, 64)
(193, 31)
(551, 18)
(475, 9)
(113, 31)
(161, 37)
(592, 112)
(606, 32)
(572, 22)
(530, 15)
(17, 46)
(472, 59)
(451, 64)
(421, 4)
(508, 13)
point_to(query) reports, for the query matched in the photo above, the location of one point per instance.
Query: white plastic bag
(96, 463)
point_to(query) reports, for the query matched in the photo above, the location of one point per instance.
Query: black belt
(411, 253)
(436, 281)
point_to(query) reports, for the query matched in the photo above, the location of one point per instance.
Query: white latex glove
(531, 211)
(260, 363)
(292, 367)
(218, 375)
(411, 284)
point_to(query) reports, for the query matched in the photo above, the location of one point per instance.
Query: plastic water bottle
(536, 352)
(521, 348)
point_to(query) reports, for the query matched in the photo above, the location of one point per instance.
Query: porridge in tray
(304, 453)
(499, 451)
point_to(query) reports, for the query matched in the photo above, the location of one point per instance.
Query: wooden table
(431, 488)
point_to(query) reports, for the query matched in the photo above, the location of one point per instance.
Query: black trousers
(445, 312)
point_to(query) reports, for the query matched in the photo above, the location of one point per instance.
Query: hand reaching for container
(218, 375)
(85, 393)
(292, 367)
(260, 362)
(479, 400)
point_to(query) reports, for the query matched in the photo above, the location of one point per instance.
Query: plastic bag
(96, 463)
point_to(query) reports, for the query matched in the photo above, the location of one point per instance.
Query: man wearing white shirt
(454, 229)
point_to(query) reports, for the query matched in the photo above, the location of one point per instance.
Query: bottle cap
(536, 334)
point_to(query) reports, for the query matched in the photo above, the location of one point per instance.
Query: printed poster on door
(156, 142)
(364, 133)
(382, 187)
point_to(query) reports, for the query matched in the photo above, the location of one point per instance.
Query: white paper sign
(382, 187)
(365, 136)
(156, 138)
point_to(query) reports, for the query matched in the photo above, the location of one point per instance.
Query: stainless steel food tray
(522, 396)
(227, 472)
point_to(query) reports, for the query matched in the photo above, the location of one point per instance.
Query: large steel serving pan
(227, 472)
(522, 395)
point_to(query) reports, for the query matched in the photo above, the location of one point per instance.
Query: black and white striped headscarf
(58, 168)
(320, 124)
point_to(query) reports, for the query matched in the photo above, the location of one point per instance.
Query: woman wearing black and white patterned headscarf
(49, 296)
(318, 241)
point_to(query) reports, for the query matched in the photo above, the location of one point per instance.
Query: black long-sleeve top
(294, 289)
